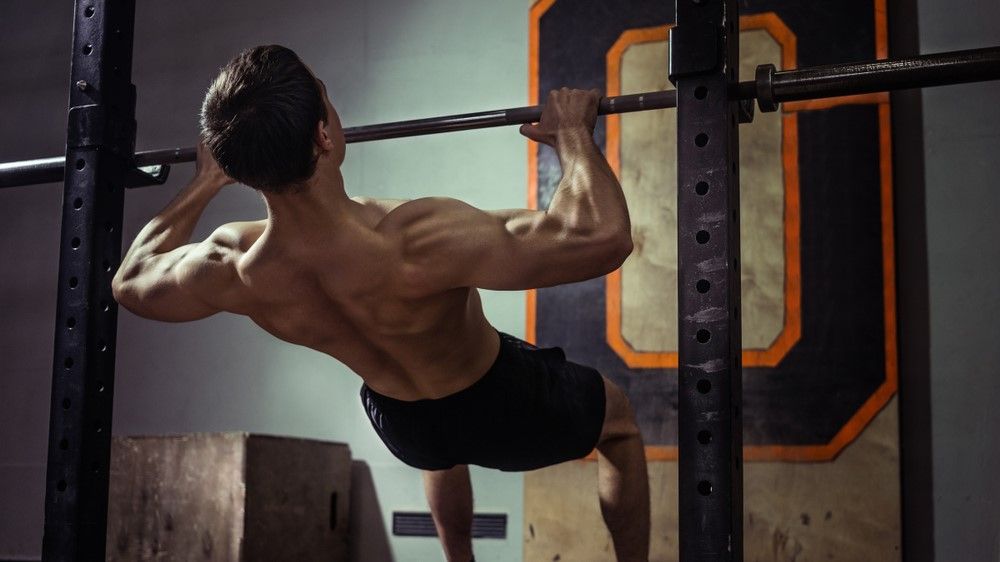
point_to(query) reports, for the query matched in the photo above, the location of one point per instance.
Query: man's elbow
(125, 285)
(622, 249)
(123, 292)
(617, 247)
(127, 294)
(625, 245)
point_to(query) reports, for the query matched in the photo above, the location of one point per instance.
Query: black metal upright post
(704, 55)
(99, 147)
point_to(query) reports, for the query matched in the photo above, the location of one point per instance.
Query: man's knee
(619, 419)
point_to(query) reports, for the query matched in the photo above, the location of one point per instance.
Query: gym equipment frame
(100, 161)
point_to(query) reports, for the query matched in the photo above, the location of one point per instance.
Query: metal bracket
(91, 125)
(147, 175)
(746, 111)
(764, 78)
(86, 126)
(699, 43)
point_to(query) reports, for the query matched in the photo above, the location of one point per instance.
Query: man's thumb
(534, 133)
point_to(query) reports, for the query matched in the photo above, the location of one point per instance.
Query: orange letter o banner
(817, 250)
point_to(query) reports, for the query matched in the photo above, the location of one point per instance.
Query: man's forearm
(589, 197)
(172, 227)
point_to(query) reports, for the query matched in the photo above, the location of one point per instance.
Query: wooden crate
(228, 497)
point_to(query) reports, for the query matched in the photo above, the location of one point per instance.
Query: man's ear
(322, 138)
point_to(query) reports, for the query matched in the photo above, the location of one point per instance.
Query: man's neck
(317, 204)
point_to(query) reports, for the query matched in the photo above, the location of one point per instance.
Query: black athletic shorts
(533, 408)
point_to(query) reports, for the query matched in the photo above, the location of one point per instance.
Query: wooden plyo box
(232, 497)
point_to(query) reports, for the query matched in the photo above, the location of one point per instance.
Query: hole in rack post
(704, 487)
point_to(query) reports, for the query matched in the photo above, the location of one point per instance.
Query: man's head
(267, 120)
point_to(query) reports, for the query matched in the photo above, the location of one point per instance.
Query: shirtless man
(389, 288)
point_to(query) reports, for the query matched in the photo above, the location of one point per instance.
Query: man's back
(333, 285)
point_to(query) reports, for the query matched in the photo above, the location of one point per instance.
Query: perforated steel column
(100, 141)
(703, 62)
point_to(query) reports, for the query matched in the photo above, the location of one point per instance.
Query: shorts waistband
(506, 340)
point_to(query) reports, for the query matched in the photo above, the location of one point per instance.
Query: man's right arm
(589, 199)
(585, 233)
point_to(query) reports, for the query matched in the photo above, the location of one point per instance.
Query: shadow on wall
(367, 536)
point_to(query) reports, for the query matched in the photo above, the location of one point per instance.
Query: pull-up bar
(46, 170)
(770, 87)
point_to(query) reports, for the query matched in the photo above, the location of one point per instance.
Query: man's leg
(449, 493)
(623, 484)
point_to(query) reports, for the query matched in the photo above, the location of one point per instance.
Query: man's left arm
(163, 276)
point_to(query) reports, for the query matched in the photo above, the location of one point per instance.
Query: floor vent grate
(420, 524)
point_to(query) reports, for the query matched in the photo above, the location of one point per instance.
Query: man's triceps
(172, 286)
(448, 244)
(518, 249)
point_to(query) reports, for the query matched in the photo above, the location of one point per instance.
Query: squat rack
(100, 161)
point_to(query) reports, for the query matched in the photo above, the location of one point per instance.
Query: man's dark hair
(259, 118)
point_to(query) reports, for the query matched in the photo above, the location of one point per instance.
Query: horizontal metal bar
(28, 172)
(502, 117)
(923, 71)
(51, 169)
(833, 80)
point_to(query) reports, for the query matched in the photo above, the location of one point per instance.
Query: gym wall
(958, 384)
(385, 60)
(382, 61)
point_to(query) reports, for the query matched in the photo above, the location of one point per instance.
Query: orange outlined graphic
(878, 399)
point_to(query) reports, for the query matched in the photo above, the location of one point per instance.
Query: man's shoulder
(418, 211)
(210, 270)
(237, 236)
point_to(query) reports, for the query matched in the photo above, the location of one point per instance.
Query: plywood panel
(174, 496)
(846, 510)
(231, 497)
